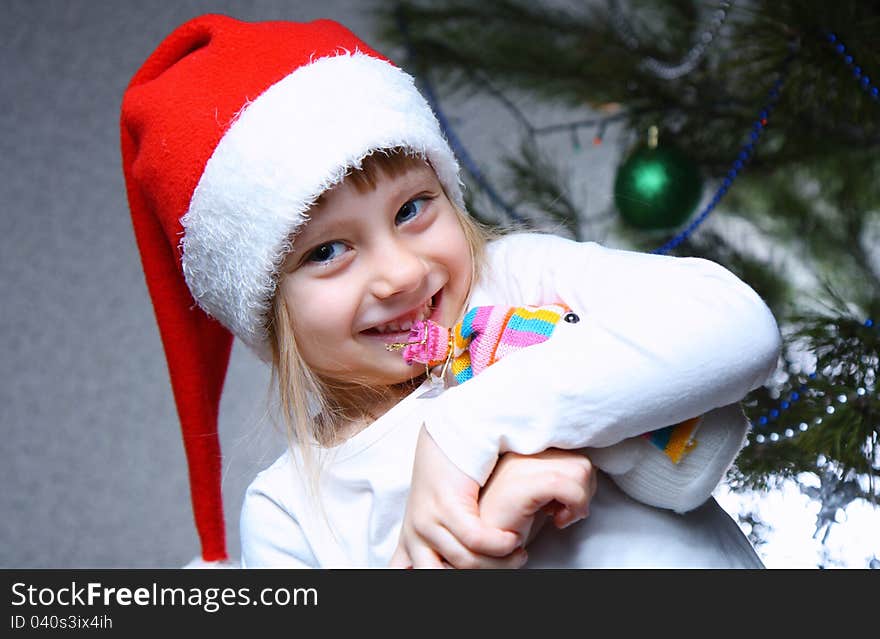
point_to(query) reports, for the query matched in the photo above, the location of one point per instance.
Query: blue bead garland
(848, 60)
(745, 155)
(743, 158)
(457, 147)
(470, 166)
(463, 156)
(759, 428)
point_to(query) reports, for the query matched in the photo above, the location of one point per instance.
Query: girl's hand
(559, 483)
(442, 525)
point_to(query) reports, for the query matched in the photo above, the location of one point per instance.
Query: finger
(450, 550)
(424, 557)
(480, 538)
(515, 560)
(442, 543)
(463, 559)
(564, 518)
(400, 558)
(452, 553)
(594, 483)
(583, 474)
(573, 497)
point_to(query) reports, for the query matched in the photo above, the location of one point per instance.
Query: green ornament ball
(657, 188)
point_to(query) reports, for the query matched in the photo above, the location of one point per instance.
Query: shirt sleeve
(660, 340)
(270, 535)
(647, 474)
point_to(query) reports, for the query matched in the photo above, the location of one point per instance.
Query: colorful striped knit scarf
(490, 333)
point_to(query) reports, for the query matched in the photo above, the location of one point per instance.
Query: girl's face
(368, 265)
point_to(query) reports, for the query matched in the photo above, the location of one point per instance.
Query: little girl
(290, 186)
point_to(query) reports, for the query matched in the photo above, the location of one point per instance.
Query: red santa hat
(230, 131)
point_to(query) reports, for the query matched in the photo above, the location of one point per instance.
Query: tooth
(406, 324)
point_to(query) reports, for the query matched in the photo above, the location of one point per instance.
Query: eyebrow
(317, 228)
(412, 182)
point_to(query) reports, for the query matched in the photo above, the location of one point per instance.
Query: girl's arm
(660, 340)
(524, 488)
(442, 525)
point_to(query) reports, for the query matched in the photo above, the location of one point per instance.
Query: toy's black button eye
(571, 318)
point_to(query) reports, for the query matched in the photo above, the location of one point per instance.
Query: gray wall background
(92, 466)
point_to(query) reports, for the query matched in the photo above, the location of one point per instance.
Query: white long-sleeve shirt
(660, 340)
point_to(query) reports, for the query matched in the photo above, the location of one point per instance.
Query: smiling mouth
(401, 325)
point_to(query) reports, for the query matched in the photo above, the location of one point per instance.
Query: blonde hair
(312, 407)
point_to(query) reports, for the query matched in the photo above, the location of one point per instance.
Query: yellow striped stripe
(680, 440)
(541, 314)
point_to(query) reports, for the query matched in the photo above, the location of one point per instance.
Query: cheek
(320, 313)
(455, 248)
(461, 271)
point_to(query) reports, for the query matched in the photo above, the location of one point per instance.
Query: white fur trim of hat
(285, 148)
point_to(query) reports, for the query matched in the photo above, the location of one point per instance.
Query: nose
(399, 268)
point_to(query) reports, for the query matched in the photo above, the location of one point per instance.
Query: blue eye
(326, 252)
(409, 210)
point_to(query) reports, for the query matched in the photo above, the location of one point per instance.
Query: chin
(404, 374)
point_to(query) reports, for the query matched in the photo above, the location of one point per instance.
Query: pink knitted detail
(486, 339)
(521, 339)
(428, 343)
(483, 317)
(491, 328)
